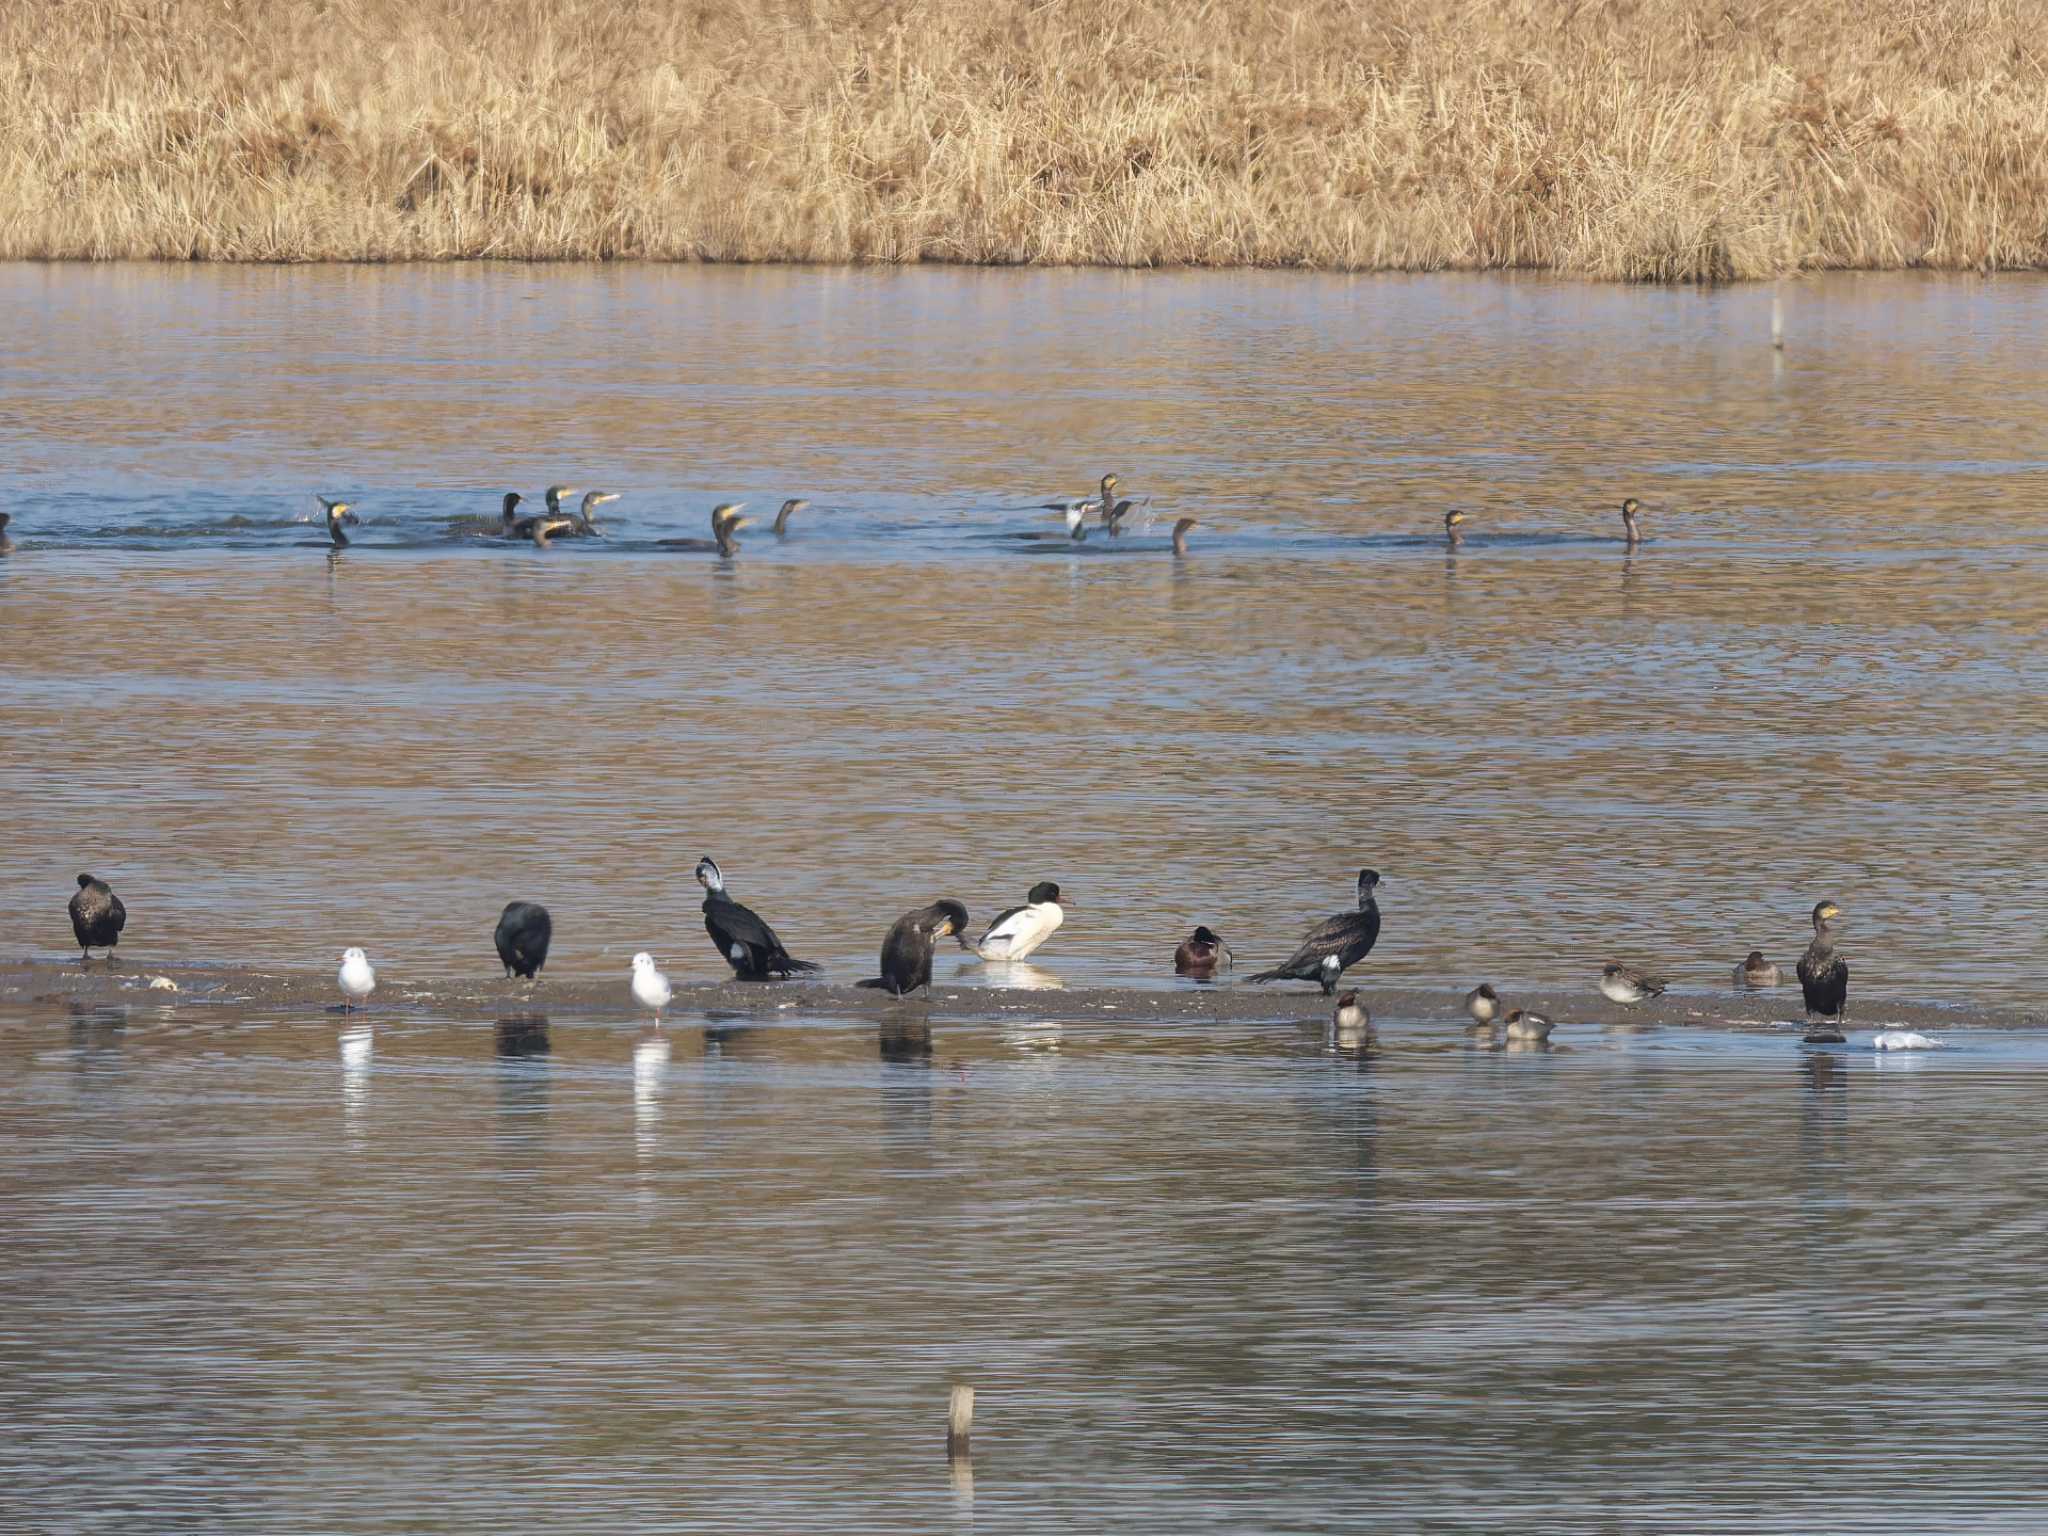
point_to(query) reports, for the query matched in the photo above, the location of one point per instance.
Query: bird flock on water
(755, 952)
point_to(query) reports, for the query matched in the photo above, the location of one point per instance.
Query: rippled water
(1822, 678)
(281, 1276)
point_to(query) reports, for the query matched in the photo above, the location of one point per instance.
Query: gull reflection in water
(358, 1045)
(650, 1081)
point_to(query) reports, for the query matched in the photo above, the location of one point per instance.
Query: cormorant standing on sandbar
(748, 944)
(97, 916)
(1824, 978)
(1335, 944)
(524, 931)
(907, 951)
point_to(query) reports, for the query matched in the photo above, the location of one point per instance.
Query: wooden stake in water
(959, 1421)
(1777, 323)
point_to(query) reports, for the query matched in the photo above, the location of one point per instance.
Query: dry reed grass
(1639, 139)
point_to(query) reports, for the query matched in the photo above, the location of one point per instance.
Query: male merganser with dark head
(748, 944)
(790, 508)
(1824, 978)
(725, 523)
(1624, 984)
(338, 513)
(1756, 973)
(1017, 931)
(1483, 1003)
(97, 916)
(907, 950)
(1335, 944)
(524, 932)
(1200, 953)
(1454, 523)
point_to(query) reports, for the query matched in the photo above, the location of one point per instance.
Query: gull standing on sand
(1625, 984)
(650, 988)
(357, 979)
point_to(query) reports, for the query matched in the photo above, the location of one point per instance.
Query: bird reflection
(728, 1034)
(650, 1082)
(1824, 1127)
(358, 1046)
(523, 1048)
(906, 1041)
(524, 1034)
(97, 1035)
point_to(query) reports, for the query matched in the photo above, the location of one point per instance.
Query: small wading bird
(725, 523)
(748, 944)
(907, 950)
(1200, 953)
(650, 988)
(357, 979)
(1824, 979)
(1755, 973)
(1335, 944)
(524, 932)
(1018, 931)
(338, 513)
(1623, 984)
(97, 916)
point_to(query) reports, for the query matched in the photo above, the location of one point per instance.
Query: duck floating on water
(1824, 979)
(1200, 953)
(97, 916)
(1335, 944)
(907, 950)
(1755, 973)
(726, 522)
(1018, 931)
(1350, 1023)
(749, 945)
(1482, 1003)
(522, 938)
(1624, 984)
(1520, 1024)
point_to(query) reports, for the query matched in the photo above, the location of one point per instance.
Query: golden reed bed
(1645, 139)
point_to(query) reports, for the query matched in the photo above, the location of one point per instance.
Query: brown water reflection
(1820, 678)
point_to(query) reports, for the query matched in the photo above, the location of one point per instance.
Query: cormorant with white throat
(748, 944)
(1335, 944)
(1824, 978)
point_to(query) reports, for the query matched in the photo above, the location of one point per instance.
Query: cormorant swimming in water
(1483, 1003)
(725, 522)
(907, 951)
(748, 944)
(1454, 522)
(1629, 508)
(1200, 953)
(585, 516)
(97, 916)
(1113, 516)
(1017, 931)
(524, 931)
(357, 979)
(1335, 944)
(338, 513)
(790, 508)
(1756, 973)
(1623, 984)
(650, 988)
(1523, 1025)
(1180, 536)
(6, 544)
(1824, 978)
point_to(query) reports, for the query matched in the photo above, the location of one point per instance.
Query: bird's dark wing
(117, 913)
(1349, 935)
(1007, 913)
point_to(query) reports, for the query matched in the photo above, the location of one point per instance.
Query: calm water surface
(277, 1276)
(1823, 677)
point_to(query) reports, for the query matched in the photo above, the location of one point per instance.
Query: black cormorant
(907, 951)
(524, 929)
(1625, 984)
(1077, 530)
(790, 508)
(1632, 534)
(97, 916)
(725, 522)
(1454, 523)
(1824, 978)
(6, 544)
(1200, 953)
(1180, 536)
(1017, 931)
(1102, 500)
(338, 513)
(748, 944)
(1335, 944)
